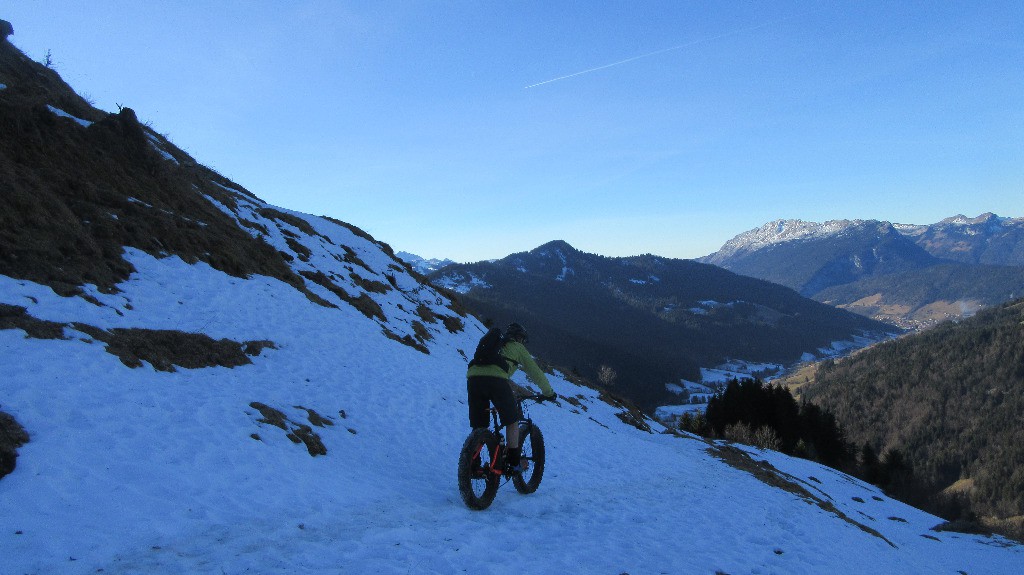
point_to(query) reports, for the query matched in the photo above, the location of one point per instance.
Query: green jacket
(517, 356)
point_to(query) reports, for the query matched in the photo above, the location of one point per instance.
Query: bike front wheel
(477, 483)
(532, 441)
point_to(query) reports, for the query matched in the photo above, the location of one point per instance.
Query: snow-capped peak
(781, 231)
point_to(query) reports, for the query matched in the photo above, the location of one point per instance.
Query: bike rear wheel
(533, 454)
(477, 484)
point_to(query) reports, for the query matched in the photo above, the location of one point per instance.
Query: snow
(462, 282)
(3, 86)
(672, 413)
(841, 348)
(736, 369)
(712, 381)
(782, 231)
(423, 265)
(142, 471)
(650, 279)
(566, 270)
(63, 114)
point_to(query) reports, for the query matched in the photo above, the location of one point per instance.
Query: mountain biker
(493, 384)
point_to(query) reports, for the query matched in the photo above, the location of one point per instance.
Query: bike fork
(494, 467)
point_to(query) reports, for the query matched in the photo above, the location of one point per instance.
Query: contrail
(663, 50)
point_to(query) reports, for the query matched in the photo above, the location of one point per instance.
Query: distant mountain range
(987, 239)
(654, 320)
(911, 275)
(423, 265)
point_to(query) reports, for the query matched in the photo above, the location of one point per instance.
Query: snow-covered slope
(139, 470)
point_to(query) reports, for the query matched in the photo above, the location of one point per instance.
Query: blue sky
(692, 121)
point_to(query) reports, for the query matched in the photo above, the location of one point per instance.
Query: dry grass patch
(406, 340)
(371, 286)
(72, 197)
(295, 432)
(364, 303)
(17, 317)
(163, 349)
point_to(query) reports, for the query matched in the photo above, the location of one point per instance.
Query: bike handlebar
(538, 397)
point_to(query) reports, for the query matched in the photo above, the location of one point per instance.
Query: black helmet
(517, 332)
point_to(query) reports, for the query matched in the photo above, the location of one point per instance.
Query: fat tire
(533, 451)
(470, 482)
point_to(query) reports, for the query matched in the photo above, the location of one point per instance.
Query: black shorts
(485, 390)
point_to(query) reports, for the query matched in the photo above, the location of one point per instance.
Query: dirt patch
(372, 286)
(407, 340)
(352, 258)
(315, 418)
(963, 526)
(12, 436)
(302, 251)
(426, 314)
(362, 234)
(631, 414)
(364, 303)
(295, 432)
(17, 317)
(164, 349)
(453, 324)
(294, 221)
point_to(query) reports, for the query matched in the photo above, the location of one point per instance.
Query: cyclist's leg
(508, 410)
(478, 399)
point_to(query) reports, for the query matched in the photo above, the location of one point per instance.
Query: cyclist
(492, 384)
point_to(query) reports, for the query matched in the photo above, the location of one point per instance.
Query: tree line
(950, 399)
(768, 416)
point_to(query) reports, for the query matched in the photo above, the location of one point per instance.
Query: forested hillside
(926, 296)
(950, 399)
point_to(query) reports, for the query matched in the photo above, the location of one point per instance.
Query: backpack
(488, 351)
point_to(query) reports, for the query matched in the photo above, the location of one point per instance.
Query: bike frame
(524, 423)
